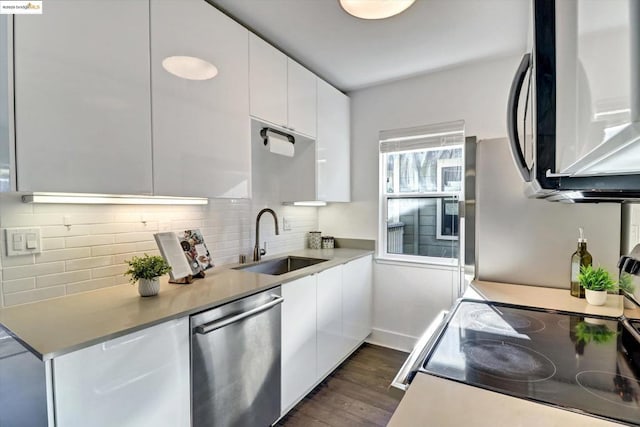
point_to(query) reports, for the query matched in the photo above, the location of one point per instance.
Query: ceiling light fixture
(109, 199)
(375, 9)
(189, 67)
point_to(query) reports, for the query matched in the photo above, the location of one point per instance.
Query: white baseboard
(390, 339)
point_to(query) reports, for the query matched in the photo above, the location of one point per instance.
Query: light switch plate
(286, 224)
(23, 241)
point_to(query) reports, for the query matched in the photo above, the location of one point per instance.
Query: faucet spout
(257, 252)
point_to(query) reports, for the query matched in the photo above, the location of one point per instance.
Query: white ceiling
(352, 53)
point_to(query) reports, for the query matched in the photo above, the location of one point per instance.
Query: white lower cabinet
(331, 344)
(357, 300)
(325, 317)
(138, 380)
(298, 339)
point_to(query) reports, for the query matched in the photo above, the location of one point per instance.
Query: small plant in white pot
(146, 270)
(596, 283)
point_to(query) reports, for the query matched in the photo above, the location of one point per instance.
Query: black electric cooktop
(589, 365)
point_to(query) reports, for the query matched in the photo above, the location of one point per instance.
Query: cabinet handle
(217, 324)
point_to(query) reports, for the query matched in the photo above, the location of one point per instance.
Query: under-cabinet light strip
(306, 203)
(109, 199)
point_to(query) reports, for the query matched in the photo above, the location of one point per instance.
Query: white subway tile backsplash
(53, 243)
(10, 286)
(134, 237)
(91, 285)
(113, 249)
(114, 270)
(64, 231)
(33, 295)
(11, 273)
(62, 255)
(62, 278)
(82, 241)
(91, 252)
(18, 260)
(88, 263)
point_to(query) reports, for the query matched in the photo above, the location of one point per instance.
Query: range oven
(585, 364)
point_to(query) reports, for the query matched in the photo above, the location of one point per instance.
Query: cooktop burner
(503, 321)
(610, 386)
(507, 361)
(568, 360)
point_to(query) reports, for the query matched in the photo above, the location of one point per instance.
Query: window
(421, 184)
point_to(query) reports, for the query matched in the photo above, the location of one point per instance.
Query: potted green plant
(146, 270)
(596, 283)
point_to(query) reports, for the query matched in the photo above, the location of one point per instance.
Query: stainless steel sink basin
(275, 267)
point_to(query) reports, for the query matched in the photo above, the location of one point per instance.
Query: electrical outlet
(286, 224)
(22, 241)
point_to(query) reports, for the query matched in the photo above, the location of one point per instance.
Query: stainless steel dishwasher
(235, 363)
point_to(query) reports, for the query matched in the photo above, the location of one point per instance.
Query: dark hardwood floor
(355, 394)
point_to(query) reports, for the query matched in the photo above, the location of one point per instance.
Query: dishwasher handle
(217, 324)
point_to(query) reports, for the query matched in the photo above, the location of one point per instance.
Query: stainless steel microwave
(574, 105)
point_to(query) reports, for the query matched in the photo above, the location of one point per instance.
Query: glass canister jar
(315, 240)
(328, 242)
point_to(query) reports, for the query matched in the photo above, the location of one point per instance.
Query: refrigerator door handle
(512, 118)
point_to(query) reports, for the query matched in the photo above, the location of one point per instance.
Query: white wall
(90, 253)
(407, 298)
(529, 241)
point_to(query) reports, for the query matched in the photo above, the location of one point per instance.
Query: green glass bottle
(581, 257)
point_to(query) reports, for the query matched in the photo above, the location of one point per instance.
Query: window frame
(383, 204)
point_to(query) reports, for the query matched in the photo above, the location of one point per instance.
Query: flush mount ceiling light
(375, 9)
(189, 67)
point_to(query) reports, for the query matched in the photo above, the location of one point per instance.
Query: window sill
(440, 265)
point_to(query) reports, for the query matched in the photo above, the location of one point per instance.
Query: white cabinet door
(357, 301)
(267, 81)
(301, 99)
(83, 119)
(331, 344)
(201, 132)
(298, 339)
(333, 145)
(138, 380)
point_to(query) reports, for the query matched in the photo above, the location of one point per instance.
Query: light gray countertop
(58, 326)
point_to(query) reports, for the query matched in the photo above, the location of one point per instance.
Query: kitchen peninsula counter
(61, 325)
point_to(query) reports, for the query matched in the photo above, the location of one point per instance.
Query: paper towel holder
(263, 134)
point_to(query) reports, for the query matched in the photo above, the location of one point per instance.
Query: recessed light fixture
(189, 67)
(110, 199)
(375, 9)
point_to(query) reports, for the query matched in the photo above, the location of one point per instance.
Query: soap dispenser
(580, 258)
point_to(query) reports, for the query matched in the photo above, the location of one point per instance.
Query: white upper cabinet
(83, 119)
(333, 144)
(201, 131)
(267, 81)
(301, 99)
(282, 91)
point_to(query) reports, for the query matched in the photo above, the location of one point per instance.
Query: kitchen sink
(275, 267)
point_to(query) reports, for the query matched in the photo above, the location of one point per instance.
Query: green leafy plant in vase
(145, 271)
(596, 283)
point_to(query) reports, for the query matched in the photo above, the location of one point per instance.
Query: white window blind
(422, 137)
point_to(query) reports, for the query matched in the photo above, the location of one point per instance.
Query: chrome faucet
(257, 252)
